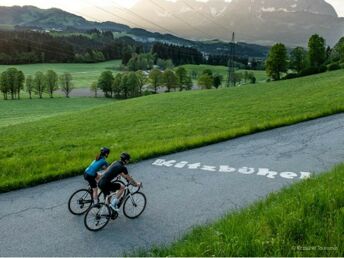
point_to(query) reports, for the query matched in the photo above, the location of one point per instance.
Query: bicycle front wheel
(80, 201)
(134, 205)
(97, 218)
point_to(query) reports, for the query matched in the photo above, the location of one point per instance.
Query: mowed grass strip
(28, 110)
(304, 220)
(83, 74)
(62, 146)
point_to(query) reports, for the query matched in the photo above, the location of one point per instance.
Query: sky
(81, 7)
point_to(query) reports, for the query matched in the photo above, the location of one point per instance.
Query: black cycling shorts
(110, 187)
(91, 180)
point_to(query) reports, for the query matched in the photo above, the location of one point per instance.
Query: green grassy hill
(304, 220)
(26, 110)
(63, 145)
(83, 74)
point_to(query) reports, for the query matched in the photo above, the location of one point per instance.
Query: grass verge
(63, 145)
(306, 219)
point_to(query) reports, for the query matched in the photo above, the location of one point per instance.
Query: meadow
(26, 110)
(304, 220)
(63, 145)
(83, 74)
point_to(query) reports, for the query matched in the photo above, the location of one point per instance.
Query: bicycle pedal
(114, 215)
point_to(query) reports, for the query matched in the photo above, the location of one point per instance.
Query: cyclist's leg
(93, 184)
(119, 189)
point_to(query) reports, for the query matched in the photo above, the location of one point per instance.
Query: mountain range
(261, 21)
(256, 21)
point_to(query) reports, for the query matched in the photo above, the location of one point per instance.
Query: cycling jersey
(113, 171)
(95, 166)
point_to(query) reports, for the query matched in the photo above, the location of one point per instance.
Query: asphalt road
(211, 181)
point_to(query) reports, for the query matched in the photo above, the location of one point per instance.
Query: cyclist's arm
(131, 180)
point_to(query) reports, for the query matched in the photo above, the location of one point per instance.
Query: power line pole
(231, 63)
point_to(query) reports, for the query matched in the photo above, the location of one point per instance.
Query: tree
(142, 80)
(155, 79)
(29, 85)
(237, 77)
(217, 81)
(170, 79)
(133, 84)
(276, 62)
(51, 82)
(116, 85)
(316, 51)
(184, 81)
(205, 81)
(208, 72)
(39, 84)
(124, 85)
(105, 83)
(94, 88)
(20, 79)
(298, 59)
(165, 64)
(66, 84)
(4, 85)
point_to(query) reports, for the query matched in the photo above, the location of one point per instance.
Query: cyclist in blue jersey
(91, 173)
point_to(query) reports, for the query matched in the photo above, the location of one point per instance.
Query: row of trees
(12, 82)
(301, 61)
(132, 84)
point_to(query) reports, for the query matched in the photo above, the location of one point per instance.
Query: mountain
(262, 21)
(30, 17)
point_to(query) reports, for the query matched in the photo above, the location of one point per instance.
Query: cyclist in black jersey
(115, 169)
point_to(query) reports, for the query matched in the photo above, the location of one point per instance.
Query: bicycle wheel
(97, 218)
(80, 201)
(134, 205)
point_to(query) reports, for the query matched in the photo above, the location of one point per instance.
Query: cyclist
(115, 169)
(91, 173)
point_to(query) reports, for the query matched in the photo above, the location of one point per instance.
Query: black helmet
(125, 156)
(104, 151)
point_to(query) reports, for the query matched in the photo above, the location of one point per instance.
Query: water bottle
(114, 202)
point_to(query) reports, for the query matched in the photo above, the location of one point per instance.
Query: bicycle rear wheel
(134, 205)
(80, 201)
(97, 218)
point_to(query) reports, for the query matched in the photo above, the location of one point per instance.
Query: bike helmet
(125, 156)
(104, 151)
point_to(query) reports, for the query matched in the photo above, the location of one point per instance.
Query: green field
(83, 74)
(63, 145)
(223, 70)
(26, 110)
(304, 220)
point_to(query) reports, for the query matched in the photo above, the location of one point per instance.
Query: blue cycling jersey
(95, 166)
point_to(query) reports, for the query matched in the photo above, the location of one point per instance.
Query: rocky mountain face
(259, 21)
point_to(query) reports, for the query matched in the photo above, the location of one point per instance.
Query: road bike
(81, 200)
(134, 203)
